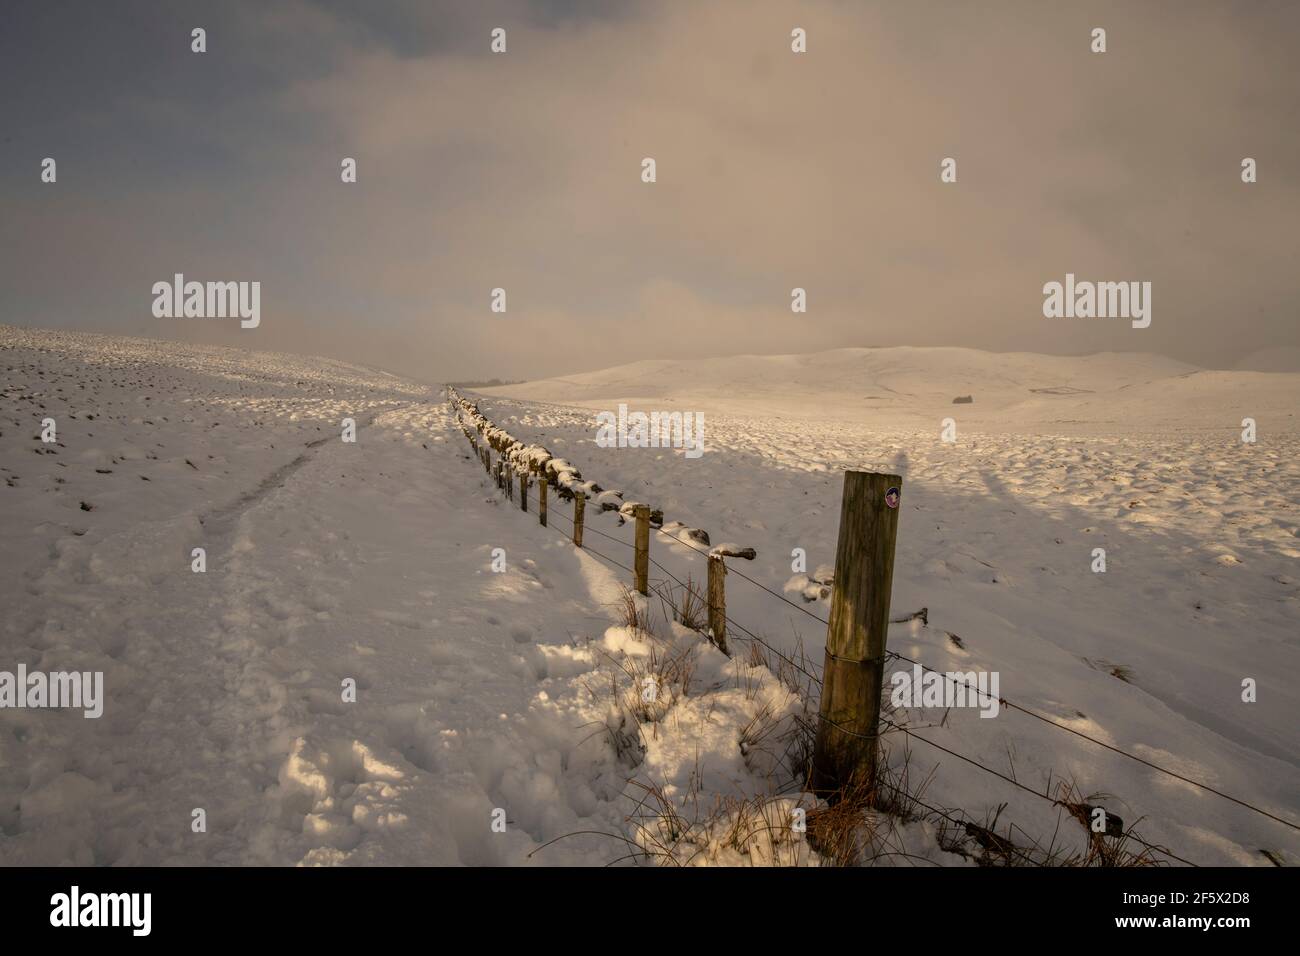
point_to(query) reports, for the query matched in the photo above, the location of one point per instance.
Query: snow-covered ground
(1054, 457)
(326, 561)
(477, 691)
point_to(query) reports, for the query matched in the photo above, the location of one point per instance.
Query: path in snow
(367, 561)
(479, 690)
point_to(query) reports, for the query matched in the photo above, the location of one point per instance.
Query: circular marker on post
(891, 497)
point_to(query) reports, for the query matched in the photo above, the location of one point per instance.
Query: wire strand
(1001, 700)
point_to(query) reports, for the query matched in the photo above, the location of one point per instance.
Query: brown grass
(692, 608)
(633, 612)
(857, 825)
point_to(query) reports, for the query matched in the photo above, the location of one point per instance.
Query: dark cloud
(775, 171)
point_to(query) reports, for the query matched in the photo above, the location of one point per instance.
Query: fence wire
(817, 680)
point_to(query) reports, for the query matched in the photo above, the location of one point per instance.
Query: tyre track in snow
(183, 699)
(368, 561)
(324, 577)
(221, 517)
(448, 723)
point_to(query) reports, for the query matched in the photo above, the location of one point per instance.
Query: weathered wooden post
(523, 490)
(718, 601)
(845, 751)
(579, 505)
(642, 563)
(541, 501)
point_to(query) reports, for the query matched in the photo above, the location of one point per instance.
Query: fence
(848, 717)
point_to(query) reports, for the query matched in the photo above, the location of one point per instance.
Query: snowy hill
(349, 679)
(1284, 358)
(478, 692)
(1054, 458)
(918, 385)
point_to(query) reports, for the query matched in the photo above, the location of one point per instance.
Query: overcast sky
(775, 170)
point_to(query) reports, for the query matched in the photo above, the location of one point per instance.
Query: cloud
(775, 170)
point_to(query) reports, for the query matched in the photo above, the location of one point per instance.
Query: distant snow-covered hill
(1283, 358)
(884, 386)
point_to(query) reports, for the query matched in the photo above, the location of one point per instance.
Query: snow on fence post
(642, 565)
(579, 505)
(523, 491)
(541, 502)
(845, 751)
(718, 601)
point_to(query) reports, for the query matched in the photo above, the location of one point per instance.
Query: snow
(915, 387)
(1282, 358)
(1056, 456)
(326, 562)
(522, 691)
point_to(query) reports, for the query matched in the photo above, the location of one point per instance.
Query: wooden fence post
(579, 505)
(642, 563)
(845, 751)
(541, 502)
(718, 601)
(523, 490)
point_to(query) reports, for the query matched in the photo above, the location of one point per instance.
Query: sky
(775, 170)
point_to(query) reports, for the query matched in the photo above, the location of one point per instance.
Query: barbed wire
(913, 735)
(1100, 743)
(949, 677)
(1025, 710)
(840, 727)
